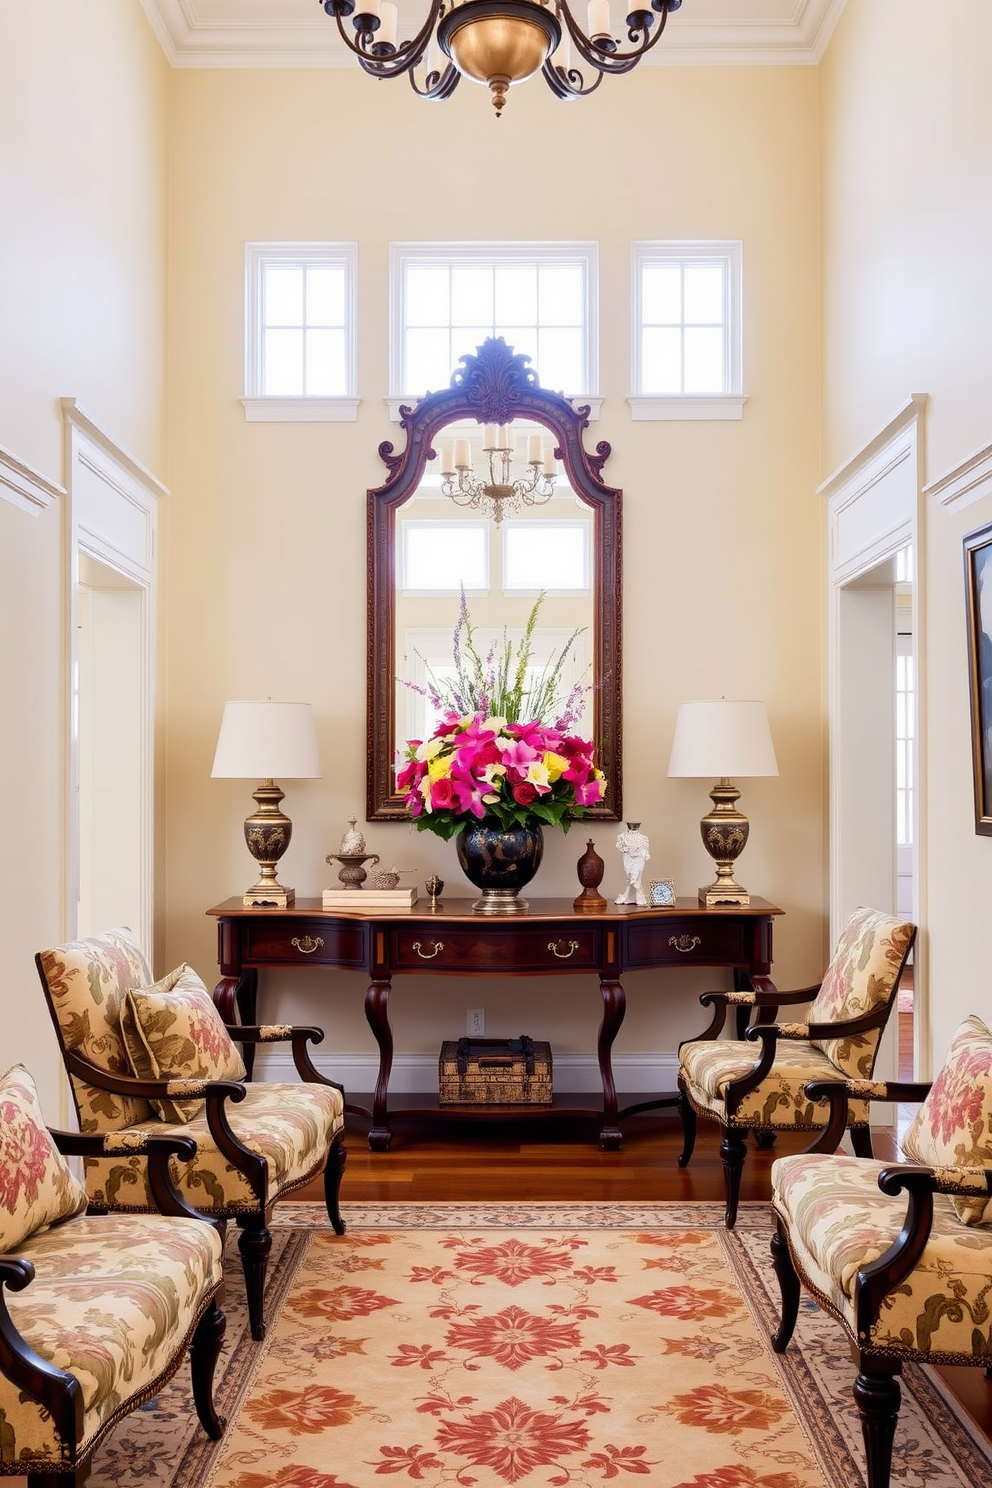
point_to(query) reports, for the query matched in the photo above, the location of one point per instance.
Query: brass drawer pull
(573, 946)
(307, 945)
(683, 943)
(429, 955)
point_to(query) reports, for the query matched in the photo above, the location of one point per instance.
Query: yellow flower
(537, 774)
(439, 767)
(555, 765)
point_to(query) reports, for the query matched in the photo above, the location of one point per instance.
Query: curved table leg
(614, 1007)
(376, 1013)
(236, 999)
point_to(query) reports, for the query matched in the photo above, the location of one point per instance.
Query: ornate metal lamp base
(724, 831)
(267, 834)
(264, 894)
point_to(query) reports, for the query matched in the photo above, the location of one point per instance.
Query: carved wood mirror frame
(492, 386)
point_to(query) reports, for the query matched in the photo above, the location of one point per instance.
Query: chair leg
(861, 1141)
(878, 1397)
(733, 1150)
(254, 1243)
(204, 1351)
(687, 1114)
(333, 1171)
(788, 1283)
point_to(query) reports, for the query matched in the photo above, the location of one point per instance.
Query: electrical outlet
(475, 1022)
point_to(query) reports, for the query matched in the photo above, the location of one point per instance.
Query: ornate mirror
(433, 536)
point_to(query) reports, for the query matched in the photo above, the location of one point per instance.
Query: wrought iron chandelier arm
(437, 85)
(402, 58)
(642, 33)
(569, 83)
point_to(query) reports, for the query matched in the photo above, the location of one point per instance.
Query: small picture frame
(978, 589)
(661, 893)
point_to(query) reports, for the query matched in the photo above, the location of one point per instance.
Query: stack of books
(363, 900)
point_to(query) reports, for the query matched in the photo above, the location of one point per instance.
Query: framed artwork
(978, 591)
(662, 891)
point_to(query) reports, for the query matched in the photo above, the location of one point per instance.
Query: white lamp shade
(267, 741)
(722, 738)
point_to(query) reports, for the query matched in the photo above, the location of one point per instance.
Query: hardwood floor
(519, 1163)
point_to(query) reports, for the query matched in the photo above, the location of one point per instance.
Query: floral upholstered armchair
(96, 1311)
(899, 1254)
(765, 1090)
(146, 1057)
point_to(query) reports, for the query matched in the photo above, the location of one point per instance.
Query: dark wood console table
(551, 939)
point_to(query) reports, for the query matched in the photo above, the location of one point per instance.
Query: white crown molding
(966, 483)
(24, 487)
(296, 33)
(77, 418)
(676, 407)
(273, 410)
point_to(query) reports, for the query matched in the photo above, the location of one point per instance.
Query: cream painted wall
(264, 576)
(83, 155)
(907, 220)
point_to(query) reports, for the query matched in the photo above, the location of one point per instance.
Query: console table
(550, 940)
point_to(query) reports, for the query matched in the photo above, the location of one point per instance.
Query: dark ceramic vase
(499, 862)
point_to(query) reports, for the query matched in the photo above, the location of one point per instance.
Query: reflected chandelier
(500, 42)
(500, 493)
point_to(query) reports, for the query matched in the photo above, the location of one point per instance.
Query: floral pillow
(953, 1127)
(173, 1031)
(37, 1186)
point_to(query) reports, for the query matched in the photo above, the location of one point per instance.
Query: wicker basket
(494, 1072)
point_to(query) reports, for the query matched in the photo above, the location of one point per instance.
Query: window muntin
(687, 328)
(540, 297)
(300, 341)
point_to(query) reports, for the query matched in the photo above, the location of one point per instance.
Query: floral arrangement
(481, 761)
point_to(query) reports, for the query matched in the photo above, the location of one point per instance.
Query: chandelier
(500, 493)
(500, 42)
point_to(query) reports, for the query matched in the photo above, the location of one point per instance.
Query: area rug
(569, 1345)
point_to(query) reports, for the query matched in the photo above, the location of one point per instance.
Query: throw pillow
(37, 1186)
(953, 1127)
(173, 1031)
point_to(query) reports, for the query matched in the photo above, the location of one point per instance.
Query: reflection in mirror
(556, 543)
(541, 553)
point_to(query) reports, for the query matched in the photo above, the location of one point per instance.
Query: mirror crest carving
(493, 385)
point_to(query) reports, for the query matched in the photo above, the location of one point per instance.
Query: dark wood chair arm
(300, 1034)
(839, 1092)
(157, 1149)
(148, 1089)
(58, 1391)
(880, 1277)
(722, 1002)
(737, 1089)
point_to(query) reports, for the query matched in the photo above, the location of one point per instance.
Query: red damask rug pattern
(572, 1345)
(491, 1358)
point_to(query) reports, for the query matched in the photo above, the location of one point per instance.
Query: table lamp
(258, 741)
(723, 737)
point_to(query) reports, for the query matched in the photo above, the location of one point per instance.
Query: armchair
(149, 1058)
(765, 1090)
(908, 1278)
(116, 1300)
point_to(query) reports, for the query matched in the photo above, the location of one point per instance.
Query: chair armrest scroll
(300, 1035)
(765, 1002)
(877, 1279)
(58, 1391)
(149, 1089)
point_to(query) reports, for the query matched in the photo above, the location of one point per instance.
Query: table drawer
(497, 950)
(680, 942)
(296, 941)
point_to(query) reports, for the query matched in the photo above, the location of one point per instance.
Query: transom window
(300, 342)
(448, 297)
(687, 329)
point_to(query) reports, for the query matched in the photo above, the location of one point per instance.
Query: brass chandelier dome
(500, 42)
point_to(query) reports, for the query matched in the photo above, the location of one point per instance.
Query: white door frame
(875, 507)
(112, 517)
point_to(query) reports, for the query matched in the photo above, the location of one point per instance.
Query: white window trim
(401, 254)
(268, 408)
(688, 406)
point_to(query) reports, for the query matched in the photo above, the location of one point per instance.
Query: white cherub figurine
(352, 842)
(633, 844)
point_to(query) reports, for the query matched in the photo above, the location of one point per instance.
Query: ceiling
(297, 33)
